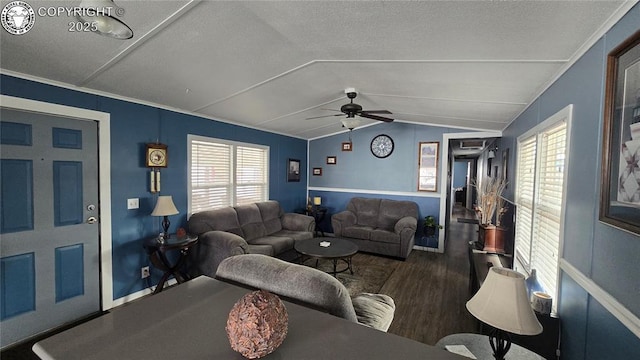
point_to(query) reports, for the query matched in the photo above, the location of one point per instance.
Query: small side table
(318, 214)
(157, 251)
(479, 346)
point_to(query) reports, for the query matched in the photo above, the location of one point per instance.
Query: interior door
(49, 229)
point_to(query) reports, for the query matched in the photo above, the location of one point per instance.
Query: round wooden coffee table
(339, 249)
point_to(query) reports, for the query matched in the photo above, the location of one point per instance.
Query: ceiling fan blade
(375, 117)
(376, 111)
(330, 109)
(323, 116)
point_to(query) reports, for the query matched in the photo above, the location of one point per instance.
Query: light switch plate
(133, 203)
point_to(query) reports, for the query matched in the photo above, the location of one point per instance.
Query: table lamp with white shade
(502, 303)
(165, 207)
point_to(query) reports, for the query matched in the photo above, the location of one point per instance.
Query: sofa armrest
(213, 247)
(409, 223)
(342, 220)
(298, 222)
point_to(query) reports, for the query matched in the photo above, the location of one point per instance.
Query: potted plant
(430, 225)
(489, 202)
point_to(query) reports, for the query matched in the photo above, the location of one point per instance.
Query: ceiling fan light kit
(101, 15)
(352, 110)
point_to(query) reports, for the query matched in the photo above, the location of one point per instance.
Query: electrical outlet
(144, 272)
(133, 203)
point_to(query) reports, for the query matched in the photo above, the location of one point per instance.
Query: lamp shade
(317, 200)
(350, 123)
(164, 206)
(102, 13)
(502, 302)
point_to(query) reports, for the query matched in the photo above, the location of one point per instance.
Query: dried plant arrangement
(489, 200)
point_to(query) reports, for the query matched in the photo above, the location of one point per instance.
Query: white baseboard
(138, 294)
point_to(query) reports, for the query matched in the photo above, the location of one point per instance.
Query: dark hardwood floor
(430, 291)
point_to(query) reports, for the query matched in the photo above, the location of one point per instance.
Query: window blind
(524, 198)
(539, 195)
(251, 175)
(210, 175)
(226, 174)
(547, 212)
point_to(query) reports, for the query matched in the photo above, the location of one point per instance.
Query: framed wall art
(293, 170)
(332, 160)
(428, 166)
(347, 146)
(620, 192)
(317, 171)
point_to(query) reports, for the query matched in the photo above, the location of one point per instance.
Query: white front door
(49, 222)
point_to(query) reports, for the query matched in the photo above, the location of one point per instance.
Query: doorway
(53, 216)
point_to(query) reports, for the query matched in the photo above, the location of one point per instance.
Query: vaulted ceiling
(270, 65)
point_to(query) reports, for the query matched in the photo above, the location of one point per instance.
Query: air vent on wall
(472, 144)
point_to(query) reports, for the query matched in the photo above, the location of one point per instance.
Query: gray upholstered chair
(307, 286)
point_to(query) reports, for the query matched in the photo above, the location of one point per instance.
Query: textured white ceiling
(271, 65)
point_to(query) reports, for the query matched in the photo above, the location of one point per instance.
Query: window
(539, 194)
(224, 173)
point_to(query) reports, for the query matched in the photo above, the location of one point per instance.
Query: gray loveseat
(380, 226)
(259, 228)
(308, 286)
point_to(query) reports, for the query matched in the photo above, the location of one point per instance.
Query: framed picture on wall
(347, 146)
(428, 166)
(505, 167)
(332, 160)
(317, 171)
(293, 170)
(620, 191)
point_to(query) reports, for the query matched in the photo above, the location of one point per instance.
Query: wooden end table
(157, 250)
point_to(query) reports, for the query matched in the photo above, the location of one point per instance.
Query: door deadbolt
(91, 207)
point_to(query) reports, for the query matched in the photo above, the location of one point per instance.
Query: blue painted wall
(359, 173)
(606, 255)
(460, 173)
(132, 126)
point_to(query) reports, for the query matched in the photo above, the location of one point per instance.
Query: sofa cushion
(384, 236)
(295, 235)
(357, 232)
(374, 310)
(260, 249)
(280, 244)
(393, 210)
(366, 211)
(250, 221)
(271, 213)
(224, 219)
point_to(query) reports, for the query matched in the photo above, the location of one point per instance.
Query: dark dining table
(187, 321)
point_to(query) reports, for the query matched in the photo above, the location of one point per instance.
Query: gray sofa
(259, 228)
(307, 286)
(380, 226)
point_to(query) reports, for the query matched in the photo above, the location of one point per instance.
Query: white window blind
(225, 174)
(524, 197)
(548, 208)
(251, 175)
(539, 195)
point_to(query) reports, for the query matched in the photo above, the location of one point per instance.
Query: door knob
(92, 220)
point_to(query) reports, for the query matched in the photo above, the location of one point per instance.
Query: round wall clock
(156, 155)
(382, 146)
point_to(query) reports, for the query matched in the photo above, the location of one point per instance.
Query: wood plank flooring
(431, 289)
